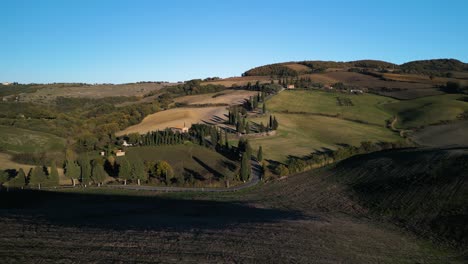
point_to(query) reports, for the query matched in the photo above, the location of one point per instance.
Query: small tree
(72, 171)
(19, 181)
(282, 170)
(264, 108)
(275, 124)
(125, 169)
(260, 154)
(164, 171)
(4, 176)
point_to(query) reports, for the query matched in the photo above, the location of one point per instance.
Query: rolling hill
(297, 68)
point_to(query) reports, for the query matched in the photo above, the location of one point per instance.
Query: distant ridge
(304, 67)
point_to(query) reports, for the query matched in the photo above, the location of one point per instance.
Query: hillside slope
(424, 190)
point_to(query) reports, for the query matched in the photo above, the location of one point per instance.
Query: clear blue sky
(126, 41)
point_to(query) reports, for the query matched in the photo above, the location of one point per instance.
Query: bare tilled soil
(314, 217)
(451, 134)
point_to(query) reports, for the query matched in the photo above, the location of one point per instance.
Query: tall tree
(37, 176)
(138, 171)
(99, 175)
(264, 108)
(245, 168)
(85, 175)
(72, 171)
(226, 140)
(53, 178)
(125, 169)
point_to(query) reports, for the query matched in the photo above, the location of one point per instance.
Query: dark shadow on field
(208, 168)
(194, 174)
(125, 212)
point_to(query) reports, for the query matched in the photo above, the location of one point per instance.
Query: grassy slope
(367, 107)
(427, 110)
(302, 134)
(183, 157)
(23, 140)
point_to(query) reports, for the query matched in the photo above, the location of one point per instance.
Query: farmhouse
(290, 86)
(126, 144)
(183, 129)
(356, 91)
(6, 83)
(120, 153)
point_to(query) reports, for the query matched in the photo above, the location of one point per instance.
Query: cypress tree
(72, 170)
(242, 126)
(19, 181)
(260, 154)
(248, 148)
(264, 108)
(37, 176)
(138, 171)
(125, 169)
(245, 168)
(85, 175)
(226, 141)
(99, 175)
(275, 124)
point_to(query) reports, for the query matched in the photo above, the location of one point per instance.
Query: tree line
(322, 158)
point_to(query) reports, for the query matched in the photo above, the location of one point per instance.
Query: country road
(254, 179)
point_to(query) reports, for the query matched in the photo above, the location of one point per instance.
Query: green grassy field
(300, 135)
(366, 107)
(22, 140)
(427, 110)
(192, 159)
